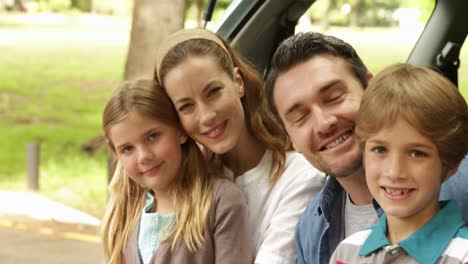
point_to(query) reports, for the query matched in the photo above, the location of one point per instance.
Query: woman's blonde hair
(193, 193)
(426, 99)
(260, 122)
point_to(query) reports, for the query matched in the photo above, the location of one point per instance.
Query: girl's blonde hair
(426, 99)
(260, 122)
(192, 195)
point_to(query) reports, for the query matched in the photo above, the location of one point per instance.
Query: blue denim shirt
(321, 227)
(456, 189)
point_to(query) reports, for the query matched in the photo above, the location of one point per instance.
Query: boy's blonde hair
(426, 99)
(193, 193)
(260, 122)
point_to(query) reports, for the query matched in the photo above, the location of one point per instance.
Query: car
(256, 27)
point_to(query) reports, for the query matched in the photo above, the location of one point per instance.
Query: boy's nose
(394, 168)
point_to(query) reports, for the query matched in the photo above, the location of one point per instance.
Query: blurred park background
(60, 60)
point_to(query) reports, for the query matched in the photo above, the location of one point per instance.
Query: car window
(463, 72)
(383, 36)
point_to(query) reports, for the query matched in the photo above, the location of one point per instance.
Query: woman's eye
(214, 91)
(185, 107)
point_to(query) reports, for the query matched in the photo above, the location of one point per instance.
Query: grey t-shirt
(358, 217)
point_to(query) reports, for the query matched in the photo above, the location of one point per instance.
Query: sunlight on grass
(82, 187)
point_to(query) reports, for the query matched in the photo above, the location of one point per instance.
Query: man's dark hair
(300, 48)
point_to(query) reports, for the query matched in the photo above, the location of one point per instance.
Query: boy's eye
(417, 154)
(379, 149)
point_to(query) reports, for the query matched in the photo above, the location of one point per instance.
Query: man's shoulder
(311, 215)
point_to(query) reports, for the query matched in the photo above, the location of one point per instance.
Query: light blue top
(153, 227)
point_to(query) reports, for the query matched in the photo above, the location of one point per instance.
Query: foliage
(366, 12)
(82, 5)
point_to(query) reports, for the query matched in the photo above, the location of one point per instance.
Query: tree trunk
(198, 6)
(19, 6)
(152, 22)
(325, 20)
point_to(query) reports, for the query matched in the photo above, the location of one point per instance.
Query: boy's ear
(451, 172)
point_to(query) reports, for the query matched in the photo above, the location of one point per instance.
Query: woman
(218, 97)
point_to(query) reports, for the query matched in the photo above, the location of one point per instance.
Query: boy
(413, 127)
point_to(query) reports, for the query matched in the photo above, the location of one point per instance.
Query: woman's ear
(239, 81)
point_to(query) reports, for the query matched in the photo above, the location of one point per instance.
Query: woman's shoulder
(225, 187)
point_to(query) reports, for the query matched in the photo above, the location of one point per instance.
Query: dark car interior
(256, 27)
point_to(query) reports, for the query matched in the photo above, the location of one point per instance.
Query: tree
(152, 22)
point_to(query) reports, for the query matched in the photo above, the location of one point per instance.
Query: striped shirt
(444, 239)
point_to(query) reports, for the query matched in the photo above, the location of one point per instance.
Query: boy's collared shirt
(316, 236)
(444, 239)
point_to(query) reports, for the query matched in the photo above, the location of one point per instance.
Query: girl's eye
(417, 154)
(126, 150)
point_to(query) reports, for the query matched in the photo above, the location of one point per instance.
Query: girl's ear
(182, 138)
(239, 81)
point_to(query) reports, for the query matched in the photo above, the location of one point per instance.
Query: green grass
(54, 82)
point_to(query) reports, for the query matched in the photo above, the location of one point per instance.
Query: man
(314, 89)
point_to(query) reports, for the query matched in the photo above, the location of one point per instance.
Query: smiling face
(404, 171)
(149, 150)
(208, 102)
(318, 101)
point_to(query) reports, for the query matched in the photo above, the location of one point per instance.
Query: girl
(165, 206)
(218, 98)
